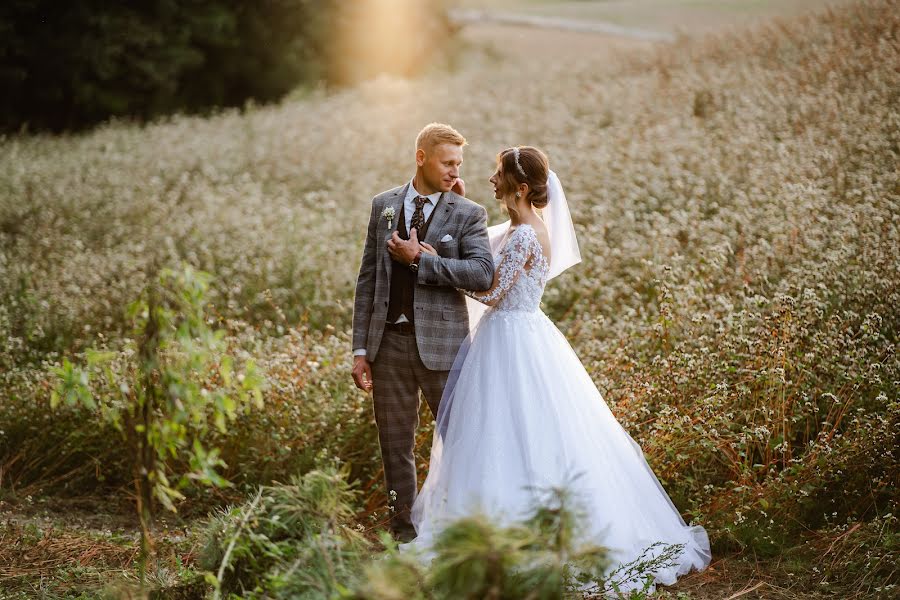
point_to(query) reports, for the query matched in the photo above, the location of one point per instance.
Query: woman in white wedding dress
(521, 414)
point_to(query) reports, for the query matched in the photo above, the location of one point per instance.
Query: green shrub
(162, 391)
(291, 541)
(541, 558)
(736, 305)
(65, 66)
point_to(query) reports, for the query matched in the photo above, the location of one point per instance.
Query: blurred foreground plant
(298, 540)
(162, 390)
(543, 557)
(291, 541)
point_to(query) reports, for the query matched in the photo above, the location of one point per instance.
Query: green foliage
(735, 199)
(295, 541)
(64, 66)
(541, 558)
(291, 541)
(76, 63)
(313, 418)
(803, 405)
(869, 550)
(165, 387)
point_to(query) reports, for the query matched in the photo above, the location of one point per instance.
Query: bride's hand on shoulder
(459, 187)
(428, 248)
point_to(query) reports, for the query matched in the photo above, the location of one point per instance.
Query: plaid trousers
(397, 376)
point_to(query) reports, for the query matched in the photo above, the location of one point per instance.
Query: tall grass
(735, 198)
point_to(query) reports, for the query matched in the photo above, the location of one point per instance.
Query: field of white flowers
(736, 199)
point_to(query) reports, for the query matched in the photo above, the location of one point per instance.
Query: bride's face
(497, 180)
(504, 186)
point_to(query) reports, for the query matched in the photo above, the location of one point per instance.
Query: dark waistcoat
(403, 281)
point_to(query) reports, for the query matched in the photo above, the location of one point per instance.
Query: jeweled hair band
(518, 165)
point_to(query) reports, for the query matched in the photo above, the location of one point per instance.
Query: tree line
(69, 65)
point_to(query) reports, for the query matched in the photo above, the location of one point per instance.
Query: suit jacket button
(385, 303)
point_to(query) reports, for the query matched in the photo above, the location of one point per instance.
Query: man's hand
(362, 373)
(428, 248)
(404, 251)
(459, 187)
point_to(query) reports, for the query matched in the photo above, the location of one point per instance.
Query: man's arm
(474, 270)
(365, 285)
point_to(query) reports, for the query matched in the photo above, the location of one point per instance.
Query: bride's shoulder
(536, 235)
(536, 231)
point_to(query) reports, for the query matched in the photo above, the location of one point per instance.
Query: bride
(520, 412)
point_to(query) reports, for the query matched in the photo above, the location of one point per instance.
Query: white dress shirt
(409, 207)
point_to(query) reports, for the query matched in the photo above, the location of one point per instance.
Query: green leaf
(96, 357)
(225, 370)
(220, 422)
(211, 579)
(87, 400)
(228, 405)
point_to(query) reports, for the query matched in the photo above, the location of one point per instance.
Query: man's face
(440, 166)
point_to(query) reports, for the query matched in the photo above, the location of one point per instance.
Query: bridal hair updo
(533, 168)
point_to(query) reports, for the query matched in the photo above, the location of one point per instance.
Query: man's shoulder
(382, 196)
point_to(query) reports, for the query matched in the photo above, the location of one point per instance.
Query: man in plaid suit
(425, 242)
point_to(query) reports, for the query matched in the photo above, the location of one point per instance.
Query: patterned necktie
(418, 218)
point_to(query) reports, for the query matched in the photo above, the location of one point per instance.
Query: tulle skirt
(520, 415)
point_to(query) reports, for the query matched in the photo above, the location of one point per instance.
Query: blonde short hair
(438, 133)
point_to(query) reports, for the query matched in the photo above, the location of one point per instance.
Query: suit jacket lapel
(397, 203)
(445, 205)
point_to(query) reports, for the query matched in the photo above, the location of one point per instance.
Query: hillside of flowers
(737, 203)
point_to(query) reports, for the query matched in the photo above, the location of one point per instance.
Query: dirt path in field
(487, 17)
(553, 41)
(517, 44)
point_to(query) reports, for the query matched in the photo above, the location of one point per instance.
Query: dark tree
(67, 65)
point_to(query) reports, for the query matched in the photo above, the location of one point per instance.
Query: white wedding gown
(521, 413)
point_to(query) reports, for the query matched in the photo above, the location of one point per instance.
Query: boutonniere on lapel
(388, 213)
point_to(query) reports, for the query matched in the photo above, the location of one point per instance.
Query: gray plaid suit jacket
(464, 262)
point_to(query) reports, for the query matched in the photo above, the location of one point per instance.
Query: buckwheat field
(737, 203)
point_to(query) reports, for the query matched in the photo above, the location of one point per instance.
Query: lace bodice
(521, 275)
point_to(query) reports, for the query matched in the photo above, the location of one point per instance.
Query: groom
(424, 241)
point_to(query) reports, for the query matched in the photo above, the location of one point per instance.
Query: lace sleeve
(513, 258)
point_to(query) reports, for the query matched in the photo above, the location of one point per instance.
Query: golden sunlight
(381, 36)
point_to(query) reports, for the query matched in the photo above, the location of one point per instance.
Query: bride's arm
(498, 288)
(514, 257)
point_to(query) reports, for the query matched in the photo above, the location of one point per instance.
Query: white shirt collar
(411, 194)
